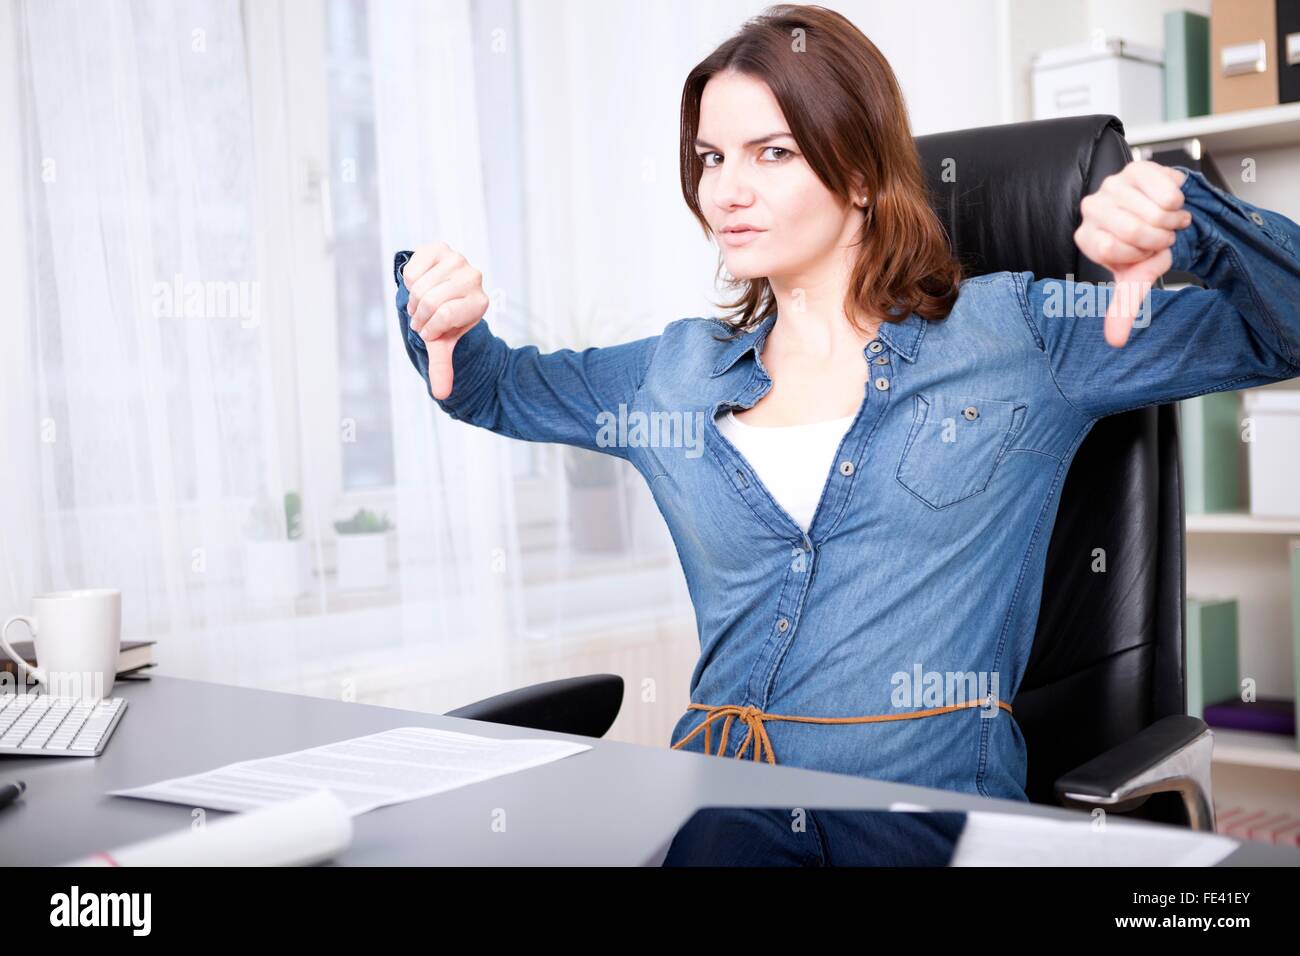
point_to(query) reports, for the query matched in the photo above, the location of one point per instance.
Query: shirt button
(883, 360)
(970, 412)
(874, 346)
(782, 624)
(846, 467)
(882, 383)
(1257, 218)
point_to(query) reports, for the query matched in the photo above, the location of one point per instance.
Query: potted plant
(362, 551)
(272, 549)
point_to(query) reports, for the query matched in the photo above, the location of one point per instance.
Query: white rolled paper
(297, 832)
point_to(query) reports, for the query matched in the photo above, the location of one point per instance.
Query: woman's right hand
(446, 301)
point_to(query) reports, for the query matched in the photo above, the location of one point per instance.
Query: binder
(1211, 653)
(1187, 64)
(1211, 449)
(1288, 51)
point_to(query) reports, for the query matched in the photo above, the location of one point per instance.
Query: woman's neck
(816, 333)
(811, 321)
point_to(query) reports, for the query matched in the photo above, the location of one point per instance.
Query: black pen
(9, 792)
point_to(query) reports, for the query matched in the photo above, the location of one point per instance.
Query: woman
(884, 444)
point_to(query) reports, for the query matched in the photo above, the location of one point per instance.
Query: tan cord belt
(753, 719)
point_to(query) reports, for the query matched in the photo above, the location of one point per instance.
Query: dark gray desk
(616, 804)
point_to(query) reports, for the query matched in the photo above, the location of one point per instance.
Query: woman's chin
(738, 267)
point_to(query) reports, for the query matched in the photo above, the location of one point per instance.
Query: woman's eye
(704, 157)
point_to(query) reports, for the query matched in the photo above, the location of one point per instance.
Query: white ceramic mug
(77, 635)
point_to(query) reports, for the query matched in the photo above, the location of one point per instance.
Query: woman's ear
(860, 197)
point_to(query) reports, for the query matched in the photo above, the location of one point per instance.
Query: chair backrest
(1108, 652)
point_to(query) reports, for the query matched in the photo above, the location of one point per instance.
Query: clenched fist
(1128, 226)
(446, 301)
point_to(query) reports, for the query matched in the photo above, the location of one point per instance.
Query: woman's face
(755, 175)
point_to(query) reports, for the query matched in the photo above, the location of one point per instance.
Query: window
(363, 299)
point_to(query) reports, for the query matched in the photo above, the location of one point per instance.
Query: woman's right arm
(563, 396)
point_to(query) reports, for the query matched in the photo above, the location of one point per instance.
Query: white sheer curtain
(153, 421)
(167, 385)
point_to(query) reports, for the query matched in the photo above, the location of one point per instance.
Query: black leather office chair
(1103, 701)
(586, 705)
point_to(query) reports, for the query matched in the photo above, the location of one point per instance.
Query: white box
(1274, 451)
(1103, 75)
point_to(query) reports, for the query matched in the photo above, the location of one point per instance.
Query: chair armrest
(1171, 755)
(586, 705)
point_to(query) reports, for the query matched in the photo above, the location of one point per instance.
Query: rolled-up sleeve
(1242, 330)
(527, 394)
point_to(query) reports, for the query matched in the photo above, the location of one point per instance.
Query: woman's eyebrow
(753, 142)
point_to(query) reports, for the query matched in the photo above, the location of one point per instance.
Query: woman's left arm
(1113, 347)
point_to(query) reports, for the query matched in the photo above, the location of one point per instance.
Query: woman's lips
(742, 237)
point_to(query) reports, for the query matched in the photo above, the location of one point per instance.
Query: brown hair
(848, 115)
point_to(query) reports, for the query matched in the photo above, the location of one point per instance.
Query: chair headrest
(1009, 195)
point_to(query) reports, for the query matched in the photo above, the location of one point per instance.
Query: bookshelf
(1241, 523)
(1249, 749)
(1269, 127)
(1238, 553)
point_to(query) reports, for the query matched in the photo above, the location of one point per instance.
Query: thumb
(1132, 283)
(440, 369)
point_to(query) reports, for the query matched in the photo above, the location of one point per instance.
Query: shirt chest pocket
(955, 445)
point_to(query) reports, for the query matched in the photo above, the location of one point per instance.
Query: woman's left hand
(1128, 227)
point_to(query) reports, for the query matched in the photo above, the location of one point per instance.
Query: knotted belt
(753, 718)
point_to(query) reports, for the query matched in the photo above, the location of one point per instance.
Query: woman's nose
(732, 188)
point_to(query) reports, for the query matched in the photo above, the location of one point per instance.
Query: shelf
(1251, 749)
(1241, 523)
(1238, 131)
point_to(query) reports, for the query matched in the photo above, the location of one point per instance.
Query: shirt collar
(903, 337)
(745, 342)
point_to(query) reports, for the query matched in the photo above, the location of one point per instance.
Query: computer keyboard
(34, 725)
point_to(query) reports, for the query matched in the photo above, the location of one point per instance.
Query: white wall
(1141, 21)
(946, 53)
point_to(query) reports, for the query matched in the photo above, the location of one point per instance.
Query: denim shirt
(918, 583)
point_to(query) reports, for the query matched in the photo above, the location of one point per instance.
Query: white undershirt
(792, 461)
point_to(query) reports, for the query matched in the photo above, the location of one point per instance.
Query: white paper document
(364, 772)
(1017, 839)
